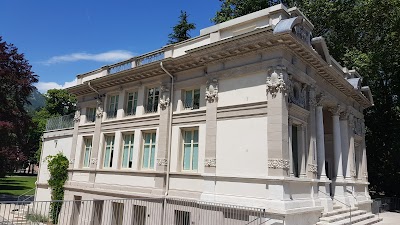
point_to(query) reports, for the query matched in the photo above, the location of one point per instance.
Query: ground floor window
(182, 217)
(117, 213)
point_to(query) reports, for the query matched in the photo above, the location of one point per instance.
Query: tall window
(131, 103)
(127, 151)
(90, 115)
(190, 149)
(112, 106)
(152, 99)
(108, 151)
(149, 150)
(87, 151)
(295, 151)
(182, 217)
(192, 99)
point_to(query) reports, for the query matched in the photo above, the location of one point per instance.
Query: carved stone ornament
(365, 174)
(320, 99)
(303, 33)
(312, 168)
(278, 163)
(335, 110)
(212, 90)
(275, 81)
(353, 173)
(297, 92)
(164, 100)
(77, 116)
(72, 161)
(344, 115)
(93, 161)
(99, 109)
(162, 162)
(210, 162)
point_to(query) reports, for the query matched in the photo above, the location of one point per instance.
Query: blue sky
(64, 38)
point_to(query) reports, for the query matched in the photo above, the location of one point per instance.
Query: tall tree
(16, 85)
(180, 31)
(361, 34)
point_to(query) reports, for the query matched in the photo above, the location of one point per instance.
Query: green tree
(181, 30)
(16, 85)
(361, 34)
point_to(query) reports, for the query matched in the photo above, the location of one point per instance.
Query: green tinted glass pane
(196, 100)
(153, 151)
(130, 157)
(125, 157)
(153, 137)
(130, 96)
(107, 157)
(87, 154)
(147, 138)
(195, 156)
(129, 108)
(188, 99)
(146, 154)
(195, 136)
(188, 136)
(186, 156)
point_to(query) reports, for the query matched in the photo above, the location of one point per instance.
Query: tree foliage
(58, 169)
(16, 85)
(180, 31)
(361, 34)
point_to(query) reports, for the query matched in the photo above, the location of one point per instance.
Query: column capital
(344, 115)
(320, 99)
(336, 110)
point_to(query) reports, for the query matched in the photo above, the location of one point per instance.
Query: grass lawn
(17, 185)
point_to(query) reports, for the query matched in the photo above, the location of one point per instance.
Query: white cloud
(107, 57)
(44, 86)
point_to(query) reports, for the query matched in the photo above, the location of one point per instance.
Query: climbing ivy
(58, 168)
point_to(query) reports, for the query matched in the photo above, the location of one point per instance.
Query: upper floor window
(131, 103)
(153, 95)
(112, 106)
(191, 99)
(127, 151)
(90, 115)
(149, 150)
(190, 150)
(87, 151)
(108, 151)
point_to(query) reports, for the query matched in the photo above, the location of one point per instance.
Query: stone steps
(342, 217)
(338, 211)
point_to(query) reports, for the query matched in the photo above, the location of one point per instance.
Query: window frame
(131, 149)
(134, 103)
(192, 91)
(115, 109)
(111, 157)
(154, 103)
(84, 151)
(192, 143)
(144, 133)
(88, 116)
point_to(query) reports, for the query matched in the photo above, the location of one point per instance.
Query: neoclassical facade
(253, 112)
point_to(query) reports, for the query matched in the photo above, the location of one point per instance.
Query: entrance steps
(344, 216)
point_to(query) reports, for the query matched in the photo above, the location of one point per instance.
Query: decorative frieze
(162, 162)
(210, 162)
(312, 168)
(93, 161)
(278, 163)
(164, 100)
(212, 90)
(275, 81)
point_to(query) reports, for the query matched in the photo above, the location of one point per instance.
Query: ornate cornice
(278, 163)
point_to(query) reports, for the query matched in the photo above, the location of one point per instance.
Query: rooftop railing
(60, 122)
(136, 61)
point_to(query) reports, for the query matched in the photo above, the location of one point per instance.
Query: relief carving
(77, 116)
(210, 162)
(278, 163)
(275, 81)
(164, 100)
(93, 161)
(99, 109)
(162, 162)
(312, 168)
(212, 90)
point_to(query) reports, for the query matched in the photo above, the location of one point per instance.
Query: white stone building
(253, 112)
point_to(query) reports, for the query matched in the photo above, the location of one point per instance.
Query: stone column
(337, 142)
(302, 151)
(72, 160)
(277, 127)
(312, 148)
(290, 147)
(364, 167)
(320, 142)
(163, 129)
(211, 95)
(96, 139)
(351, 164)
(344, 131)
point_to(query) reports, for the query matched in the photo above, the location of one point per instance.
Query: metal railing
(139, 211)
(345, 204)
(25, 197)
(385, 204)
(136, 61)
(60, 122)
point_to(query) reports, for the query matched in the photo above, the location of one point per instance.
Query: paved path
(389, 218)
